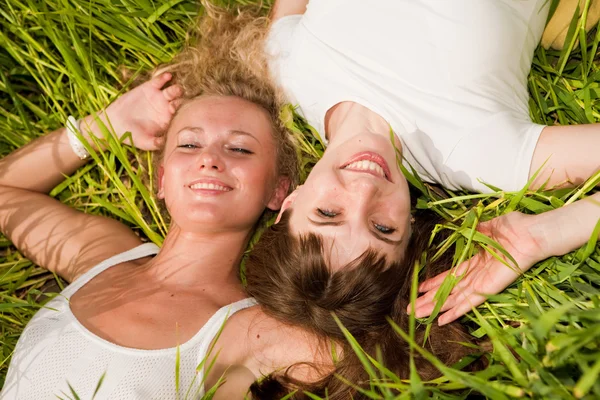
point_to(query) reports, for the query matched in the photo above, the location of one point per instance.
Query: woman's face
(356, 198)
(219, 167)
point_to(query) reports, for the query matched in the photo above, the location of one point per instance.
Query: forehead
(233, 111)
(341, 250)
(341, 246)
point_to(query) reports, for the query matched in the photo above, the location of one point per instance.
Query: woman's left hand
(483, 273)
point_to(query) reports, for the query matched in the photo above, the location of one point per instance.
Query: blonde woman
(131, 309)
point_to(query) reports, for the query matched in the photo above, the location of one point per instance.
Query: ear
(287, 203)
(161, 186)
(278, 196)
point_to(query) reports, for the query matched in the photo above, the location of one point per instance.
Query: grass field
(62, 57)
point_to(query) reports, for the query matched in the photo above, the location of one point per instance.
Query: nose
(211, 159)
(364, 188)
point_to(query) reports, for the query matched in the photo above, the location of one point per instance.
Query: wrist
(91, 131)
(567, 228)
(544, 231)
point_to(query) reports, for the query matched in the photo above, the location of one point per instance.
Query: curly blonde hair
(225, 57)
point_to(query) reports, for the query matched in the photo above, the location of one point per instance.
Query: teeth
(366, 165)
(210, 186)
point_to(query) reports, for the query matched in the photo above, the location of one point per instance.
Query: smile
(210, 186)
(370, 163)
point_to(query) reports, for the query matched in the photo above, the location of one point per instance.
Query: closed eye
(386, 230)
(188, 146)
(241, 150)
(322, 212)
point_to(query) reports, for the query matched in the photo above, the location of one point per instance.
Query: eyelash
(240, 150)
(384, 229)
(234, 149)
(326, 213)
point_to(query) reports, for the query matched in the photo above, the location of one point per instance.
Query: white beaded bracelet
(78, 147)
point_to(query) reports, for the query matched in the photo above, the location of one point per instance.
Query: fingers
(172, 92)
(436, 281)
(148, 143)
(425, 305)
(158, 81)
(420, 302)
(175, 104)
(159, 142)
(433, 283)
(461, 308)
(455, 306)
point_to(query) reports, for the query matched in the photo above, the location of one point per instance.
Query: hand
(483, 273)
(145, 111)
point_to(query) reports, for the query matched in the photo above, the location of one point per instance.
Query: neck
(192, 258)
(348, 119)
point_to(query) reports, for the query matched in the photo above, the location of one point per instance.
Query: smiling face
(219, 167)
(355, 198)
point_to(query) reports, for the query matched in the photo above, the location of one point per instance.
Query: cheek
(174, 170)
(257, 175)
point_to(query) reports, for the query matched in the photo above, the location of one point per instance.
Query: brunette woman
(449, 80)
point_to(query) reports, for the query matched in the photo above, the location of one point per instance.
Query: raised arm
(50, 233)
(570, 154)
(528, 239)
(283, 8)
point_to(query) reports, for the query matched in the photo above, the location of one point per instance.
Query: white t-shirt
(55, 350)
(449, 76)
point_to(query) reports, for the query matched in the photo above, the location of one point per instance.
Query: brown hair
(224, 57)
(289, 277)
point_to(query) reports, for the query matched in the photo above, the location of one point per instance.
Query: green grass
(61, 57)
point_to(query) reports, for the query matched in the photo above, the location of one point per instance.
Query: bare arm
(571, 153)
(283, 8)
(567, 228)
(48, 232)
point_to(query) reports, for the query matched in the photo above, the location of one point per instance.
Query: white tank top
(56, 351)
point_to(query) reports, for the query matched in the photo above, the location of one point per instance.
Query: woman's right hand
(145, 111)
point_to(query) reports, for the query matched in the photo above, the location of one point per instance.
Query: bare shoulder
(261, 345)
(275, 346)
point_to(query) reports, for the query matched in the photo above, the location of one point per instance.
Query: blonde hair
(224, 57)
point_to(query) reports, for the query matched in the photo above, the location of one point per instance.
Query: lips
(370, 163)
(210, 186)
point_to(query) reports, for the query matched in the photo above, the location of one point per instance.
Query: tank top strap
(240, 305)
(214, 325)
(141, 251)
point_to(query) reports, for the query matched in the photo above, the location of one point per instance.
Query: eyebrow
(339, 223)
(384, 239)
(235, 132)
(328, 223)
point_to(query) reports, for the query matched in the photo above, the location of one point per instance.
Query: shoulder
(263, 344)
(134, 253)
(275, 346)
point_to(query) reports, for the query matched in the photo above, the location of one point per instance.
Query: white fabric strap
(78, 147)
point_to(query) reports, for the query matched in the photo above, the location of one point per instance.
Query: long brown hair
(289, 277)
